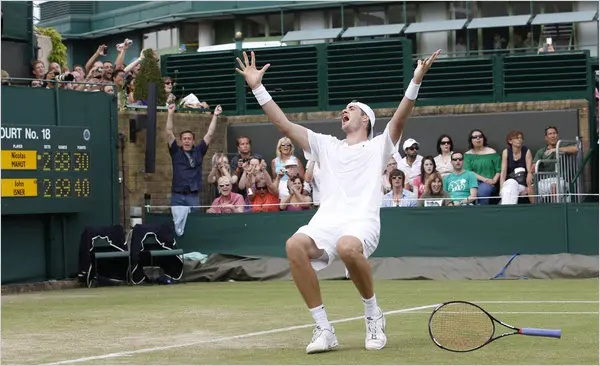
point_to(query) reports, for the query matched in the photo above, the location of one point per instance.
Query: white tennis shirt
(350, 176)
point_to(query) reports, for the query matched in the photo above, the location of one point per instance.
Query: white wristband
(262, 95)
(412, 91)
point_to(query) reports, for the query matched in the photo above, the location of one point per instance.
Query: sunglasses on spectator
(285, 145)
(392, 164)
(457, 159)
(261, 188)
(224, 185)
(444, 142)
(397, 177)
(414, 147)
(476, 136)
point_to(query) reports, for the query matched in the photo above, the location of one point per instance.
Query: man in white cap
(410, 164)
(347, 221)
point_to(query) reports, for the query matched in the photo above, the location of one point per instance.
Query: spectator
(38, 69)
(434, 195)
(228, 201)
(547, 47)
(5, 78)
(427, 169)
(444, 147)
(221, 168)
(262, 200)
(312, 175)
(485, 163)
(171, 98)
(79, 69)
(122, 49)
(254, 170)
(48, 84)
(92, 62)
(548, 185)
(411, 163)
(187, 162)
(55, 68)
(516, 177)
(108, 89)
(391, 165)
(130, 91)
(244, 147)
(283, 153)
(291, 170)
(107, 71)
(398, 196)
(297, 200)
(460, 184)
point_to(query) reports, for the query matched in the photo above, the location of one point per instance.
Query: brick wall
(158, 184)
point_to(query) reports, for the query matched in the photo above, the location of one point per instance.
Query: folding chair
(103, 250)
(156, 249)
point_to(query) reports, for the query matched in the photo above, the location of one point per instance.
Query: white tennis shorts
(327, 235)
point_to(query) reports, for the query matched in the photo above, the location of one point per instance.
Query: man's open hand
(423, 66)
(248, 69)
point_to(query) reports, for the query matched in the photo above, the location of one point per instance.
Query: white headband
(369, 112)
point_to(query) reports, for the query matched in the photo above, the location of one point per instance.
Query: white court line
(525, 312)
(538, 302)
(228, 338)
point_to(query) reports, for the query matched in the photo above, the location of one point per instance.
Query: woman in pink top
(427, 169)
(227, 202)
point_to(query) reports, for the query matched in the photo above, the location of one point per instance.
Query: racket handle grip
(554, 333)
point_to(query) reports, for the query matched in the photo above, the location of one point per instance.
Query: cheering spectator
(284, 153)
(427, 169)
(38, 70)
(444, 147)
(221, 168)
(171, 98)
(228, 201)
(460, 184)
(92, 62)
(262, 200)
(485, 163)
(291, 170)
(398, 196)
(244, 147)
(255, 170)
(385, 182)
(410, 164)
(516, 177)
(297, 199)
(434, 195)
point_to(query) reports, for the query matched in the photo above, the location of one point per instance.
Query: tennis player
(347, 221)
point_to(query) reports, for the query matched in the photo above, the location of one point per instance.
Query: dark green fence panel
(495, 230)
(471, 79)
(209, 75)
(292, 78)
(371, 72)
(550, 73)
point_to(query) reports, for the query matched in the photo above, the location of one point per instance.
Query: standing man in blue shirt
(187, 167)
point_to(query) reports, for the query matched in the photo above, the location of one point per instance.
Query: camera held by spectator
(127, 42)
(67, 76)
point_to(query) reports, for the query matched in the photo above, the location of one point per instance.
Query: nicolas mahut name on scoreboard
(21, 159)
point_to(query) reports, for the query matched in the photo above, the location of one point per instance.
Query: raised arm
(169, 125)
(213, 125)
(396, 124)
(253, 78)
(120, 60)
(90, 62)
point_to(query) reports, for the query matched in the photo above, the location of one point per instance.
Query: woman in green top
(485, 163)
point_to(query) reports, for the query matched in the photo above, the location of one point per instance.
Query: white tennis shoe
(376, 338)
(323, 340)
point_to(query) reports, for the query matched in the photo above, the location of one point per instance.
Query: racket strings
(461, 327)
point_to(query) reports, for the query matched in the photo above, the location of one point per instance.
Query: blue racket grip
(554, 333)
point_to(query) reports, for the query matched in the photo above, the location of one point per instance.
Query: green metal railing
(328, 75)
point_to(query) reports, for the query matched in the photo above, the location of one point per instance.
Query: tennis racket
(461, 326)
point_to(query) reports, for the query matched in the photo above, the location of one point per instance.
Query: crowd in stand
(480, 175)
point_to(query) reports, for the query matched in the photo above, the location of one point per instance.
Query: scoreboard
(46, 169)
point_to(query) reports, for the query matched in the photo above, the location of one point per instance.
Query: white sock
(371, 308)
(320, 316)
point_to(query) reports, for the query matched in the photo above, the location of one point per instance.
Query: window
(161, 39)
(274, 21)
(395, 14)
(372, 15)
(254, 26)
(520, 7)
(493, 8)
(462, 9)
(552, 6)
(336, 17)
